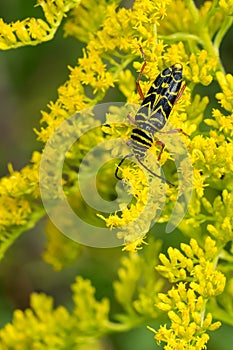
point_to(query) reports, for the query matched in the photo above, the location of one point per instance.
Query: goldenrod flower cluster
(186, 303)
(168, 32)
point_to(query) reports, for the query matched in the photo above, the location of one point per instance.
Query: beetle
(153, 113)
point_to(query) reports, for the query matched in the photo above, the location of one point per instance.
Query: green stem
(205, 39)
(227, 23)
(193, 10)
(213, 51)
(179, 37)
(212, 10)
(125, 326)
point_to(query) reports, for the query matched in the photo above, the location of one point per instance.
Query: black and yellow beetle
(153, 113)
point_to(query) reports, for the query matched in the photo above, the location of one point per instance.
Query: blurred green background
(29, 79)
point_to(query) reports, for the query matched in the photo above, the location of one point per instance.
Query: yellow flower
(135, 245)
(187, 330)
(201, 68)
(198, 182)
(32, 31)
(226, 96)
(227, 6)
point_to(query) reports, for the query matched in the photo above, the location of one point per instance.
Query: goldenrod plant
(189, 286)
